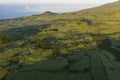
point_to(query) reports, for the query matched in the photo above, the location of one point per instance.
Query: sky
(56, 1)
(18, 8)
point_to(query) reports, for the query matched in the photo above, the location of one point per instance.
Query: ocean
(8, 11)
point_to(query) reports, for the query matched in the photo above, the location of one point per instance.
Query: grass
(33, 39)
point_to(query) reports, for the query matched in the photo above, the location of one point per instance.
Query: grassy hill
(83, 45)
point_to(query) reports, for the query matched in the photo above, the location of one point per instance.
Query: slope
(72, 46)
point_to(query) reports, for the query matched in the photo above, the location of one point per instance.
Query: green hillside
(82, 45)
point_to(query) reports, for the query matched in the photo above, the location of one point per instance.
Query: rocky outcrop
(89, 22)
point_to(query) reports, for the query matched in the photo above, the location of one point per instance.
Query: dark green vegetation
(81, 45)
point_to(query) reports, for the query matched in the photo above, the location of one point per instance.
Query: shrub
(5, 38)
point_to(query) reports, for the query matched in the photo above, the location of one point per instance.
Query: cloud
(27, 7)
(56, 8)
(56, 1)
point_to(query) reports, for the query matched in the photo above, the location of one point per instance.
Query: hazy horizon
(15, 9)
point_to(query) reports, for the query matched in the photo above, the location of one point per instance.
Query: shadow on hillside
(26, 30)
(110, 46)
